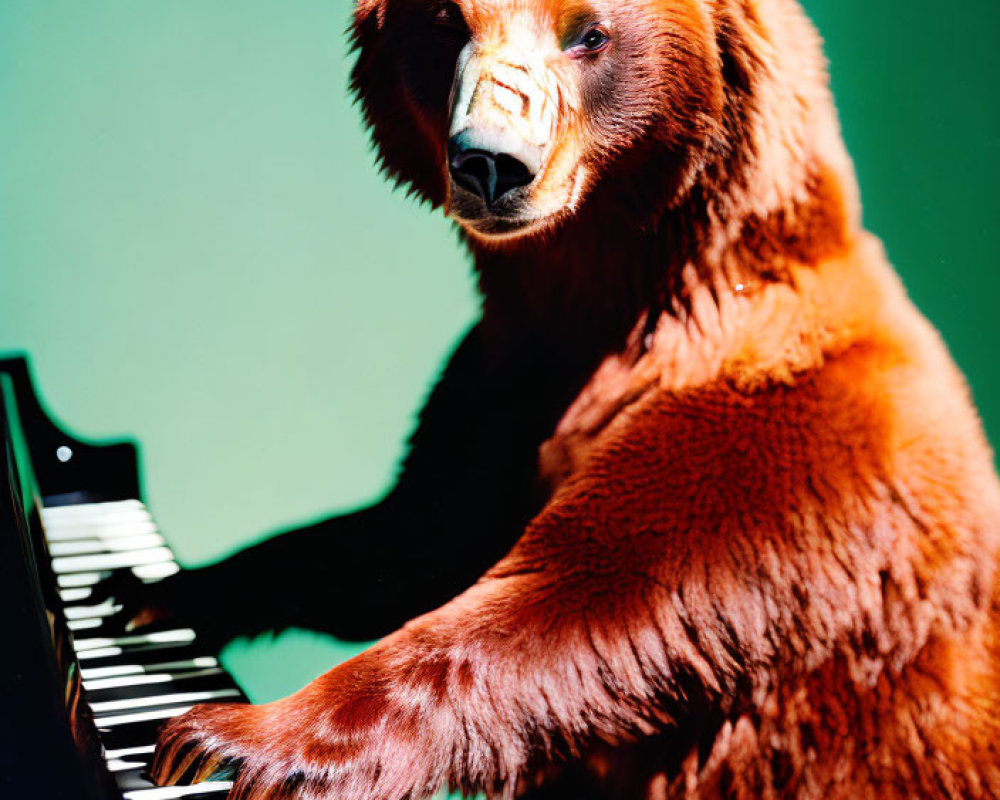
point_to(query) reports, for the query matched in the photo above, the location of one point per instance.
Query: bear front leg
(472, 696)
(713, 542)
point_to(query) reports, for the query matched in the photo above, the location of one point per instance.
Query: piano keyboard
(134, 682)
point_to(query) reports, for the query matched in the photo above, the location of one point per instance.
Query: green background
(196, 250)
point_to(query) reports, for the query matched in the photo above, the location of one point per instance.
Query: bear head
(513, 114)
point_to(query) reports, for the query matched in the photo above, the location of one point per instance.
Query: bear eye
(594, 39)
(449, 17)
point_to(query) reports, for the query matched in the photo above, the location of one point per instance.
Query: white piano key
(83, 645)
(96, 529)
(78, 511)
(84, 624)
(87, 512)
(125, 752)
(144, 572)
(73, 595)
(82, 513)
(111, 560)
(105, 706)
(94, 685)
(102, 545)
(81, 509)
(74, 547)
(99, 652)
(150, 572)
(96, 673)
(87, 542)
(177, 635)
(142, 716)
(201, 662)
(120, 764)
(93, 515)
(178, 792)
(105, 609)
(80, 579)
(97, 684)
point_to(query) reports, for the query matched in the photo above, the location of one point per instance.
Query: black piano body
(66, 731)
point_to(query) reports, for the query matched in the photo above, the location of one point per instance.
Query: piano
(81, 699)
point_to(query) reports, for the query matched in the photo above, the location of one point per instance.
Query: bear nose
(484, 172)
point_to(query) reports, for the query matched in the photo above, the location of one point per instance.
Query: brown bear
(754, 521)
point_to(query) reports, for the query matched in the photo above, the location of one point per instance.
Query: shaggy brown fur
(765, 560)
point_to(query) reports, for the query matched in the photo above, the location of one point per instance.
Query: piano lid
(68, 469)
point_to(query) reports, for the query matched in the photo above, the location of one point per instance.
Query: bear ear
(404, 101)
